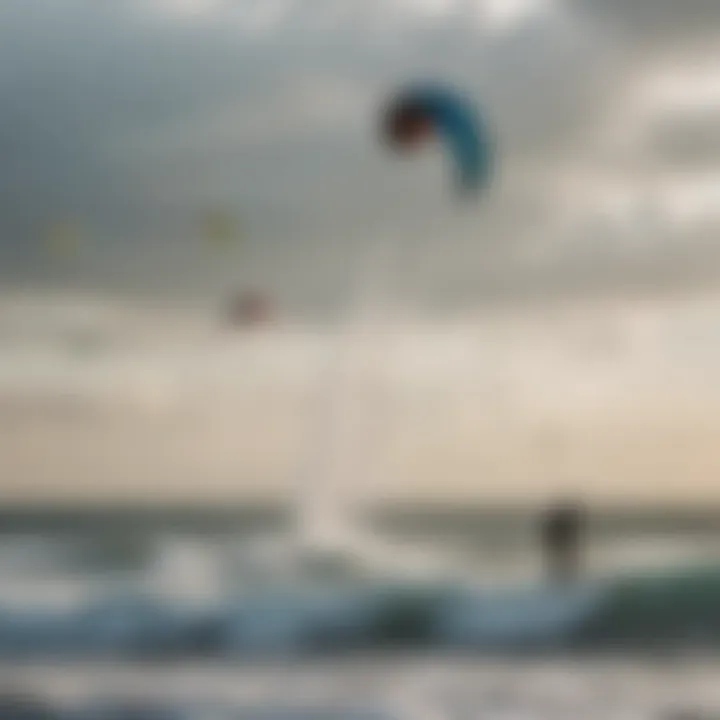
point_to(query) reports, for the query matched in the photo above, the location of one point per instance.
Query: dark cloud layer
(663, 23)
(135, 117)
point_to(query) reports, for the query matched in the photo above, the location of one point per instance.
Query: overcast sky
(130, 118)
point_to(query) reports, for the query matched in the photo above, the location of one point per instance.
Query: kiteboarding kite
(220, 228)
(64, 237)
(248, 309)
(424, 113)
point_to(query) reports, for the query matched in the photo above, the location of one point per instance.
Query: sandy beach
(395, 688)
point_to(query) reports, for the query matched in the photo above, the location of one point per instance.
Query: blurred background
(272, 396)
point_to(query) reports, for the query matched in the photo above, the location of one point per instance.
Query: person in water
(562, 534)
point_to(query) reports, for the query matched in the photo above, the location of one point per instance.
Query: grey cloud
(136, 120)
(675, 270)
(665, 24)
(685, 142)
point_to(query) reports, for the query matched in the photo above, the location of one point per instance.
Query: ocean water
(219, 614)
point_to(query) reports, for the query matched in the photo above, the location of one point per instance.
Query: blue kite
(424, 112)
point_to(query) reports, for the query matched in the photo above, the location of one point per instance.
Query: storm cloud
(135, 116)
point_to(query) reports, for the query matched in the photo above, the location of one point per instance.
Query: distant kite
(86, 341)
(424, 113)
(64, 237)
(220, 228)
(248, 309)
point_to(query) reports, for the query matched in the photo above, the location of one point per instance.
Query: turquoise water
(158, 616)
(191, 585)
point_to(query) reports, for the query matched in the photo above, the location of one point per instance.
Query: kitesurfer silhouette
(562, 532)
